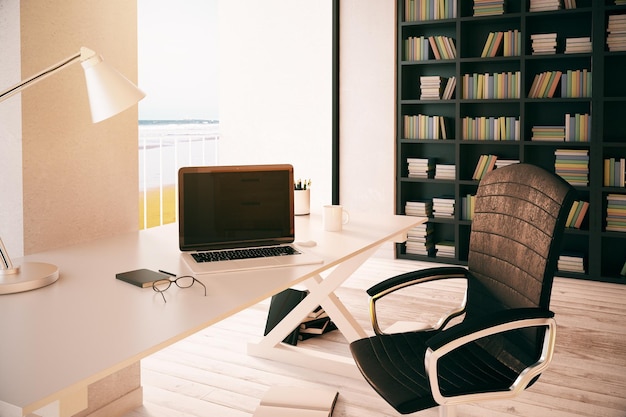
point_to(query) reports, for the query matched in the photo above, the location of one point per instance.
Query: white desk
(57, 340)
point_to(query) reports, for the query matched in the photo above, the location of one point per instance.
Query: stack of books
(488, 7)
(616, 28)
(445, 248)
(445, 172)
(418, 10)
(442, 46)
(544, 5)
(577, 45)
(490, 128)
(431, 87)
(572, 165)
(511, 42)
(577, 127)
(421, 126)
(543, 43)
(443, 207)
(420, 208)
(544, 84)
(571, 262)
(421, 167)
(548, 133)
(616, 213)
(467, 206)
(420, 240)
(569, 4)
(614, 172)
(504, 162)
(316, 323)
(491, 86)
(577, 214)
(485, 164)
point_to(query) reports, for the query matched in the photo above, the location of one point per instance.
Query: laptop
(241, 208)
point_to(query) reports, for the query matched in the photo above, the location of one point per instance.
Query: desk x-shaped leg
(321, 292)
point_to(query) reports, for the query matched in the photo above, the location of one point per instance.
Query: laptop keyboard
(251, 253)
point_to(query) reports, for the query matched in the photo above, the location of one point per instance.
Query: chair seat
(394, 366)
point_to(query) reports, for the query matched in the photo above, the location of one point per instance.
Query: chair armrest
(416, 277)
(471, 330)
(421, 276)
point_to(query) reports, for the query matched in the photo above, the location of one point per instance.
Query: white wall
(275, 100)
(275, 87)
(367, 104)
(11, 217)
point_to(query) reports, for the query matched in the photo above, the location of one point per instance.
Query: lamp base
(29, 276)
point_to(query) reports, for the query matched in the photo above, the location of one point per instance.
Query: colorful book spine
(421, 126)
(576, 84)
(577, 214)
(486, 163)
(490, 128)
(577, 127)
(572, 165)
(614, 172)
(507, 43)
(491, 86)
(421, 10)
(616, 213)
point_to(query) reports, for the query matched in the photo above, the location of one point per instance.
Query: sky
(178, 51)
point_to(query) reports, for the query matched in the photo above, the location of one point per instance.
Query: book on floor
(281, 305)
(297, 402)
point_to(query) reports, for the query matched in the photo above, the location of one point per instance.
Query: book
(281, 305)
(269, 411)
(485, 164)
(329, 327)
(623, 271)
(285, 401)
(317, 326)
(141, 277)
(317, 313)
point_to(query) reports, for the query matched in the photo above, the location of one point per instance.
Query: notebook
(237, 207)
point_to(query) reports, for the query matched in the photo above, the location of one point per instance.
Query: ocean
(167, 145)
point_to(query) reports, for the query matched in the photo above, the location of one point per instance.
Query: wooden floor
(210, 374)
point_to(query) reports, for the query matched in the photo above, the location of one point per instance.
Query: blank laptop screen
(235, 206)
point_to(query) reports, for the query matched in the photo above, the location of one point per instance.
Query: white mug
(335, 216)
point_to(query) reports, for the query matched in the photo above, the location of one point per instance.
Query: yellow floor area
(153, 206)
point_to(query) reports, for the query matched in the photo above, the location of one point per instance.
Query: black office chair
(507, 335)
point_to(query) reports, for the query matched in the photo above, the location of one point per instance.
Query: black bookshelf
(604, 252)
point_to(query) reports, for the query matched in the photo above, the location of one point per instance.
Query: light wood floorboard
(210, 374)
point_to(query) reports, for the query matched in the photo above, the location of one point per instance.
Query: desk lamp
(109, 94)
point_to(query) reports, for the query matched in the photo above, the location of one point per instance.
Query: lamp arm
(5, 260)
(84, 54)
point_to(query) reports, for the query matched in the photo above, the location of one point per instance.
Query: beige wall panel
(80, 179)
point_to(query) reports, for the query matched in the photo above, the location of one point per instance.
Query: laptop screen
(235, 206)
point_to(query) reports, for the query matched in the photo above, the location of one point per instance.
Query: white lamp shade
(109, 91)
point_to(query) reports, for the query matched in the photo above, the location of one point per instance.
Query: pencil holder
(301, 202)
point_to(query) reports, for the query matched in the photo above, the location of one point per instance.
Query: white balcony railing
(163, 149)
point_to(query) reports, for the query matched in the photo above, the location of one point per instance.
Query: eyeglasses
(184, 281)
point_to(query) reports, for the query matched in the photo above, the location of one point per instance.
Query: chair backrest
(519, 219)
